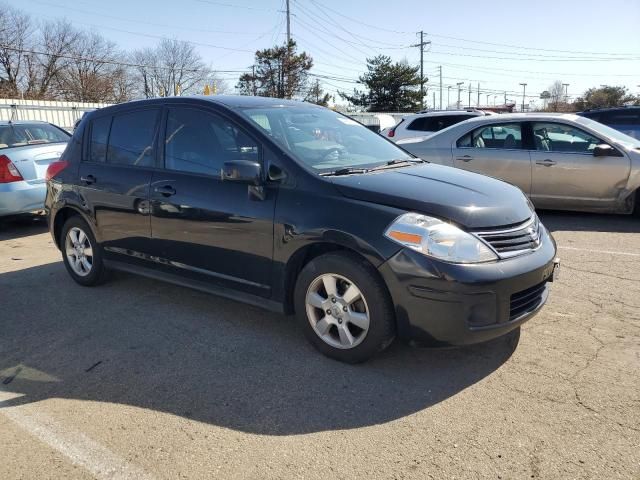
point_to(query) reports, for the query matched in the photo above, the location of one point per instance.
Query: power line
(358, 21)
(138, 21)
(233, 5)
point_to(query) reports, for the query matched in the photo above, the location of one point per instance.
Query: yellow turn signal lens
(406, 237)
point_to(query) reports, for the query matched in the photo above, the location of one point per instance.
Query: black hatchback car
(298, 209)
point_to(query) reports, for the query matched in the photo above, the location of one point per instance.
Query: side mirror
(242, 171)
(604, 150)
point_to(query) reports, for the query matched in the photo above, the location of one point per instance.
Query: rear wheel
(344, 308)
(81, 253)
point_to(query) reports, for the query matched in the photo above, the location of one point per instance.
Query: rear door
(567, 175)
(114, 179)
(496, 150)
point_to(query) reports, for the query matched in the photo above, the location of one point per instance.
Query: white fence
(62, 114)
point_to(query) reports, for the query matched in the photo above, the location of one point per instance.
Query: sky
(498, 44)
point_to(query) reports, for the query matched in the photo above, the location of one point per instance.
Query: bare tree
(16, 29)
(172, 68)
(92, 74)
(556, 95)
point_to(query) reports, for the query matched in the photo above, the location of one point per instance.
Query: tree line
(53, 60)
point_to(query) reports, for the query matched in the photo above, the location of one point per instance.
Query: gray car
(561, 161)
(26, 150)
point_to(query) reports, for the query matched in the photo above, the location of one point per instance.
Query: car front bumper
(22, 197)
(440, 303)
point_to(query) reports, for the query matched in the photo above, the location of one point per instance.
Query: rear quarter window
(99, 137)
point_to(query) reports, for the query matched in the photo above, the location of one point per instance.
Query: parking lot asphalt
(141, 379)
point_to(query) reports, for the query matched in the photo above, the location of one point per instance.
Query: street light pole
(449, 93)
(524, 89)
(459, 90)
(566, 92)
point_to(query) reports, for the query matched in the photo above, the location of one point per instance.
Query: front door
(114, 179)
(495, 150)
(566, 174)
(202, 227)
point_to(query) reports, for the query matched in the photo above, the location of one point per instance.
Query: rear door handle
(465, 158)
(89, 179)
(166, 190)
(546, 162)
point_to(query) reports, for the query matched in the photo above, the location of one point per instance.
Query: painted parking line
(101, 462)
(608, 252)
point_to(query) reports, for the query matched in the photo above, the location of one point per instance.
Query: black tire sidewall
(381, 314)
(97, 271)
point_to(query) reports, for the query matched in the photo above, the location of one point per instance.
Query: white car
(426, 123)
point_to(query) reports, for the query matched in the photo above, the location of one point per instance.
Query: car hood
(468, 199)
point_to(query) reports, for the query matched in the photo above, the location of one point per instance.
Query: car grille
(526, 301)
(513, 240)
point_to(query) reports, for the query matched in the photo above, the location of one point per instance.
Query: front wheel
(344, 308)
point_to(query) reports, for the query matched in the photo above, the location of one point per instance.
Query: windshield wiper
(344, 171)
(394, 163)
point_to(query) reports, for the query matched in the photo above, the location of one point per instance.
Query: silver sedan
(26, 150)
(561, 161)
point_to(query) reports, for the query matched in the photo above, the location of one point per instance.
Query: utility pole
(440, 69)
(420, 45)
(469, 94)
(448, 96)
(288, 23)
(524, 89)
(459, 84)
(505, 98)
(478, 104)
(487, 99)
(434, 100)
(566, 92)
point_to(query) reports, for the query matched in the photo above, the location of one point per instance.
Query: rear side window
(200, 142)
(132, 138)
(503, 136)
(435, 124)
(19, 135)
(99, 136)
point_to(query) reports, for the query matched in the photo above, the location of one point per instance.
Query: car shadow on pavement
(155, 346)
(19, 226)
(589, 222)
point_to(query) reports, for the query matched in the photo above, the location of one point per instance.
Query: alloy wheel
(79, 251)
(337, 311)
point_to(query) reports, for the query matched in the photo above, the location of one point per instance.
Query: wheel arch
(60, 218)
(306, 253)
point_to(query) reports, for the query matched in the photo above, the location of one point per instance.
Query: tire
(78, 238)
(359, 323)
(636, 206)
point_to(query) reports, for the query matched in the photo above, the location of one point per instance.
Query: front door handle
(547, 162)
(89, 179)
(465, 158)
(166, 190)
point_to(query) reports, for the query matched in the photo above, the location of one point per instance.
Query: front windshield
(324, 139)
(617, 135)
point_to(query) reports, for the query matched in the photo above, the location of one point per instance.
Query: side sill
(241, 297)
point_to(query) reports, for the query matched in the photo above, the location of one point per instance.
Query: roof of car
(611, 109)
(22, 122)
(229, 101)
(505, 117)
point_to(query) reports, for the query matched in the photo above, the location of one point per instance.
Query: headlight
(438, 239)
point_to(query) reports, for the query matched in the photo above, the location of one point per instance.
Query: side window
(622, 119)
(132, 138)
(99, 136)
(501, 136)
(559, 137)
(200, 142)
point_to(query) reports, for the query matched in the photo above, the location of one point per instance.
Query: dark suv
(296, 208)
(624, 119)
